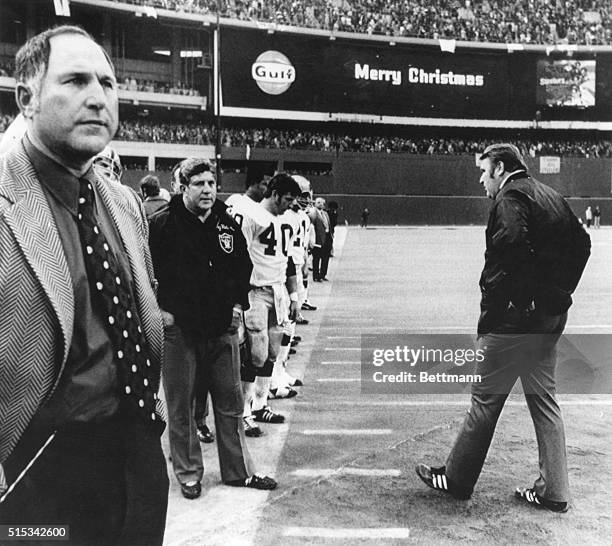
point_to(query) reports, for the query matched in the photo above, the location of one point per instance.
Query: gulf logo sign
(273, 72)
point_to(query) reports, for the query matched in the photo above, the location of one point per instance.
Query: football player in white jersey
(305, 204)
(273, 298)
(13, 134)
(282, 381)
(256, 184)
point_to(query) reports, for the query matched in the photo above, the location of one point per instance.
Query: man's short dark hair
(32, 59)
(149, 185)
(192, 166)
(255, 173)
(509, 154)
(174, 176)
(282, 184)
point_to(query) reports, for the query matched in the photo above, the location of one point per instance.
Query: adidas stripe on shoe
(266, 415)
(437, 479)
(531, 497)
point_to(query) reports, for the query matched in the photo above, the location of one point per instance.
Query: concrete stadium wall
(432, 211)
(416, 189)
(410, 174)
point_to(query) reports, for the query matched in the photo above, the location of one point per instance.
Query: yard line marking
(331, 362)
(349, 471)
(380, 330)
(579, 326)
(392, 330)
(347, 431)
(344, 320)
(423, 403)
(339, 379)
(364, 533)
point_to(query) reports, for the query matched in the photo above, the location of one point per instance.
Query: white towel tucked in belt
(281, 302)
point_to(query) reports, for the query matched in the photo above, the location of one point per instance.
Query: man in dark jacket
(152, 200)
(323, 240)
(536, 252)
(203, 269)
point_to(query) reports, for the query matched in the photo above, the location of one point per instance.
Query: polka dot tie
(110, 290)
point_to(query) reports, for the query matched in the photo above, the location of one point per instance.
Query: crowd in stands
(149, 86)
(586, 22)
(6, 67)
(296, 139)
(175, 133)
(5, 121)
(321, 141)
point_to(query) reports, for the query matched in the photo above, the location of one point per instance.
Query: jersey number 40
(268, 239)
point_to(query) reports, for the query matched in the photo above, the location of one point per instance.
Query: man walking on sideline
(80, 329)
(203, 268)
(536, 252)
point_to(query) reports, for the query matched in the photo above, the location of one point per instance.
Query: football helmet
(305, 198)
(108, 163)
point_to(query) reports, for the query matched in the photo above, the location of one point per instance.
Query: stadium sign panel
(566, 83)
(273, 72)
(550, 164)
(309, 77)
(417, 75)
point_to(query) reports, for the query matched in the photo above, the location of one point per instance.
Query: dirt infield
(345, 460)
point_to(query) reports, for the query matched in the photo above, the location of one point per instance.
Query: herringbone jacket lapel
(35, 231)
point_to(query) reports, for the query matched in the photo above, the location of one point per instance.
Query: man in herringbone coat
(71, 451)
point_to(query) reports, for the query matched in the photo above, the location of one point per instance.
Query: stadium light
(191, 54)
(185, 53)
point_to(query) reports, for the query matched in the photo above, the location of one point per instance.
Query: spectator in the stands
(150, 86)
(534, 22)
(197, 132)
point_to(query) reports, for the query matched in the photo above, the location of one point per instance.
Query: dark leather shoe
(191, 491)
(255, 482)
(308, 307)
(531, 497)
(250, 428)
(205, 435)
(436, 479)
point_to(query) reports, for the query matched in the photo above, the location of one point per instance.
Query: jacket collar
(506, 184)
(30, 220)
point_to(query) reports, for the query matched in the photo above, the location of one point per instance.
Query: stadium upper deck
(164, 51)
(587, 22)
